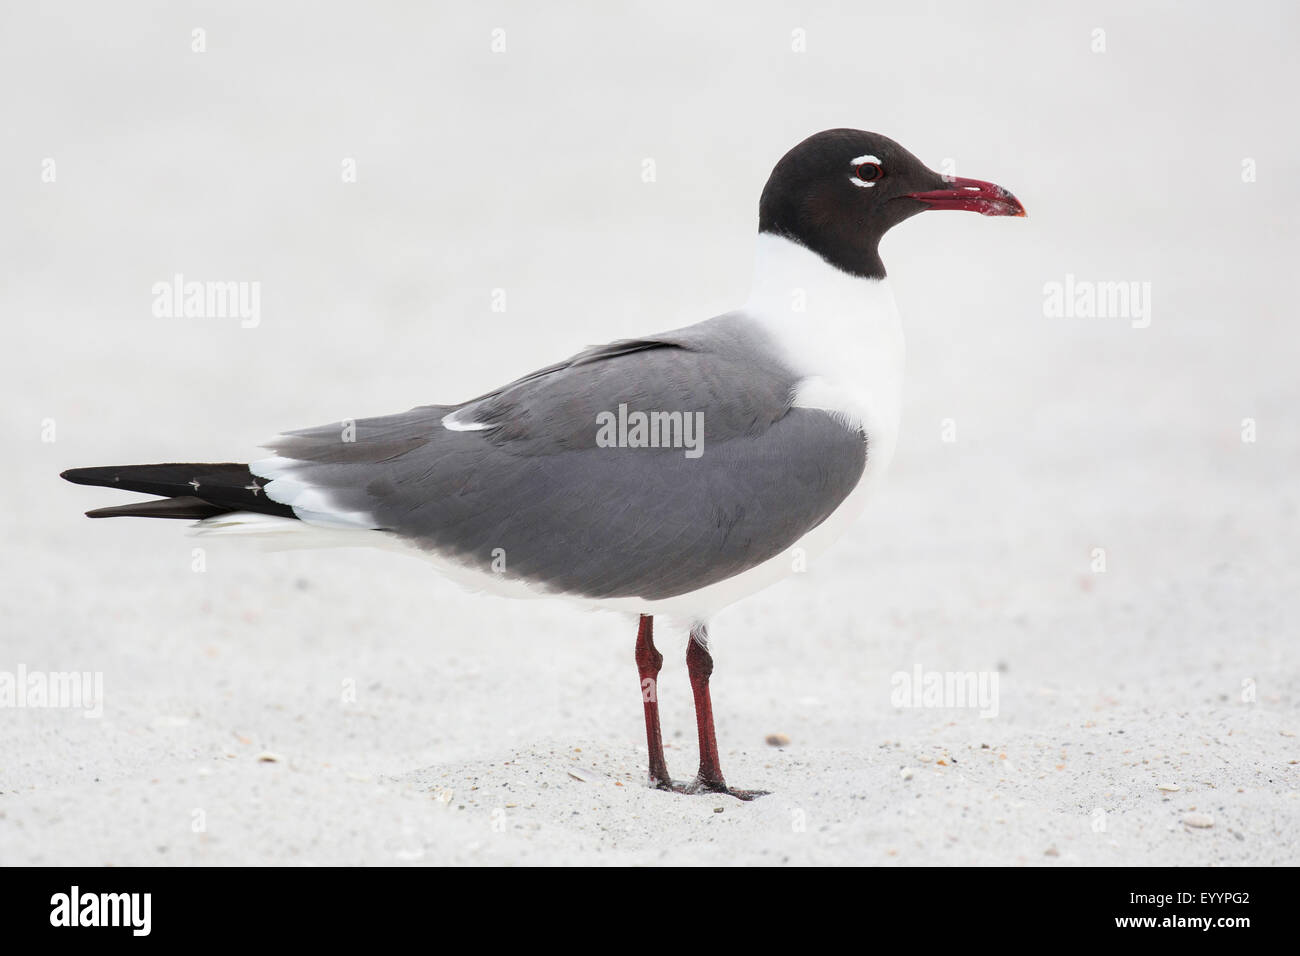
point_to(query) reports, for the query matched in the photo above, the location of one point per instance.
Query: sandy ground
(351, 707)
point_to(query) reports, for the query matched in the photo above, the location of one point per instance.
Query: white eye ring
(855, 163)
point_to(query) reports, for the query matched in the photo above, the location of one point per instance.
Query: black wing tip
(181, 506)
(115, 474)
(226, 487)
(84, 476)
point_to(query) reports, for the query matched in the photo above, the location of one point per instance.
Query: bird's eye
(866, 174)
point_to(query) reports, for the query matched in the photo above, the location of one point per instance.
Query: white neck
(840, 333)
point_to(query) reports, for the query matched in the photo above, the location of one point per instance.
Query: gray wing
(528, 474)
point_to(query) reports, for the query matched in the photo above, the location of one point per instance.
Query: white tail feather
(275, 533)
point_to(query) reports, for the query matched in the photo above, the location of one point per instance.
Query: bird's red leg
(648, 662)
(699, 664)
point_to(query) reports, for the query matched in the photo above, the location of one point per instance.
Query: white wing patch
(452, 423)
(286, 486)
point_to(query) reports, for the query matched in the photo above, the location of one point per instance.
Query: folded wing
(522, 481)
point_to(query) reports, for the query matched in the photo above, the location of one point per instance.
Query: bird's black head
(839, 191)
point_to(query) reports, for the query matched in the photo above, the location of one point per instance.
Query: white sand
(521, 171)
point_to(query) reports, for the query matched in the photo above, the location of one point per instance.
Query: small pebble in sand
(1168, 787)
(1051, 851)
(267, 757)
(907, 773)
(1201, 821)
(778, 740)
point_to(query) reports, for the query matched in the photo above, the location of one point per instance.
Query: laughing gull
(665, 475)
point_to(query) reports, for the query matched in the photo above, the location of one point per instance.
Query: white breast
(840, 333)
